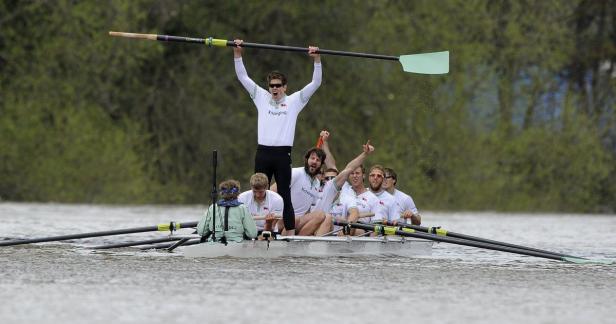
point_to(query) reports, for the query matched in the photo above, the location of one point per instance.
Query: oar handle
(263, 217)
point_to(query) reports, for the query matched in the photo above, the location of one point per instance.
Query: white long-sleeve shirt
(277, 119)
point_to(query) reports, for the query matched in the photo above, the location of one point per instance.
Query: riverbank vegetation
(524, 121)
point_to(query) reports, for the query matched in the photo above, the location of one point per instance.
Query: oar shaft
(442, 232)
(222, 42)
(178, 244)
(395, 231)
(159, 227)
(320, 51)
(168, 245)
(136, 243)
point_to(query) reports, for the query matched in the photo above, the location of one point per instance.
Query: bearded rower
(305, 191)
(330, 207)
(386, 200)
(367, 202)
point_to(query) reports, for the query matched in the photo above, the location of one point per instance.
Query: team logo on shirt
(276, 113)
(306, 191)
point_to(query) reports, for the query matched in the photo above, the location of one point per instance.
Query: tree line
(524, 121)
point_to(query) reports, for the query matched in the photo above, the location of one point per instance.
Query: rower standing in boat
(262, 202)
(277, 117)
(404, 201)
(233, 220)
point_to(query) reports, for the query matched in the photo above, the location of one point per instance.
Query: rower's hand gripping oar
(424, 63)
(172, 226)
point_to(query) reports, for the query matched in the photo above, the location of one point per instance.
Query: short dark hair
(392, 173)
(319, 152)
(362, 168)
(277, 75)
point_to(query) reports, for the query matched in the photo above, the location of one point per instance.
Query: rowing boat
(312, 246)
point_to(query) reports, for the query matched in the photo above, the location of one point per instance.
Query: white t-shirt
(327, 196)
(304, 191)
(276, 120)
(388, 204)
(404, 202)
(272, 204)
(367, 202)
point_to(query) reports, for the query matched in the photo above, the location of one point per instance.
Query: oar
(160, 227)
(168, 245)
(178, 244)
(408, 232)
(136, 243)
(443, 232)
(424, 63)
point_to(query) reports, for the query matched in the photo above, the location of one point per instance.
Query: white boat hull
(313, 247)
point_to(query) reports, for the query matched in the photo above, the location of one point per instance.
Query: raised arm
(241, 72)
(354, 164)
(330, 162)
(317, 74)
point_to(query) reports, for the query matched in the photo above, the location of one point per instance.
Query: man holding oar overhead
(277, 117)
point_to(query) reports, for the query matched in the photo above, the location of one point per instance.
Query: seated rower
(340, 209)
(409, 212)
(305, 188)
(329, 201)
(264, 205)
(386, 201)
(232, 219)
(361, 203)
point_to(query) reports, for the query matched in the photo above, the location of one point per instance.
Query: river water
(70, 283)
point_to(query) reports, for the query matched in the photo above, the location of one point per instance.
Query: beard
(376, 187)
(307, 169)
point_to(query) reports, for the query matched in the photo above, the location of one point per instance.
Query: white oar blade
(426, 63)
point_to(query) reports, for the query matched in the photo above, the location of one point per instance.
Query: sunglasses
(329, 178)
(275, 85)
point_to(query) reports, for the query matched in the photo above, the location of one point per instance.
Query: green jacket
(240, 223)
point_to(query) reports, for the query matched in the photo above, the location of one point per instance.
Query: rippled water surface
(70, 283)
